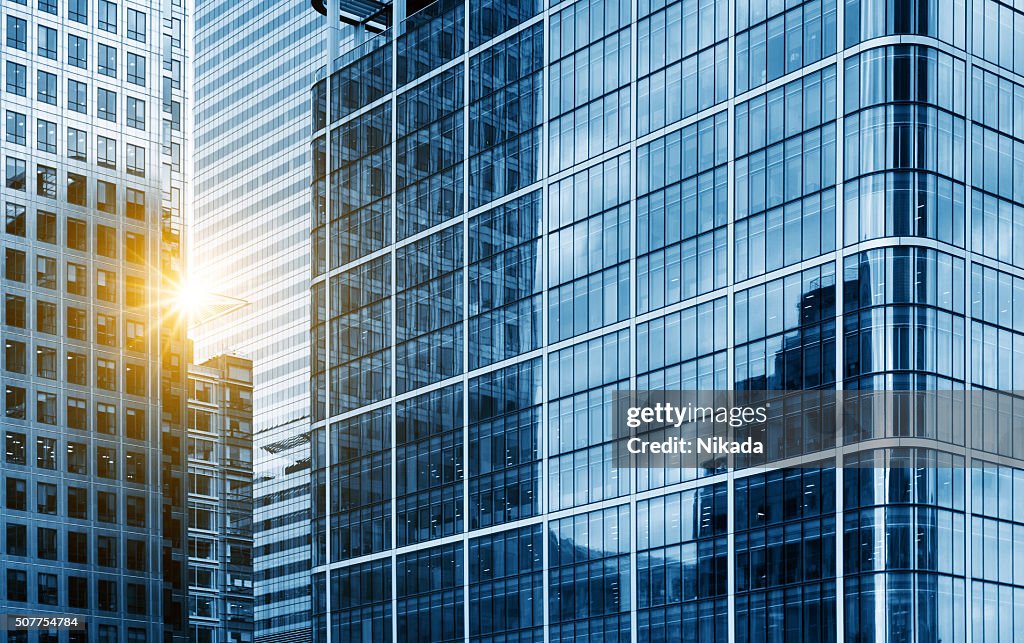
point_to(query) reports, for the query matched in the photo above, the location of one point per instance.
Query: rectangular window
(17, 33)
(108, 16)
(16, 494)
(46, 87)
(135, 247)
(17, 585)
(77, 239)
(47, 589)
(106, 285)
(76, 324)
(15, 128)
(106, 60)
(14, 265)
(136, 163)
(17, 538)
(15, 219)
(106, 152)
(135, 291)
(135, 550)
(46, 364)
(46, 226)
(14, 311)
(78, 283)
(136, 113)
(46, 453)
(136, 69)
(106, 467)
(106, 197)
(14, 356)
(46, 312)
(78, 11)
(78, 147)
(77, 96)
(106, 374)
(106, 329)
(48, 6)
(77, 413)
(135, 335)
(78, 505)
(14, 446)
(46, 181)
(106, 418)
(14, 396)
(135, 379)
(46, 136)
(136, 204)
(78, 543)
(106, 241)
(106, 502)
(137, 25)
(78, 51)
(47, 45)
(46, 501)
(77, 366)
(15, 174)
(17, 79)
(106, 104)
(135, 424)
(106, 591)
(46, 405)
(78, 591)
(77, 189)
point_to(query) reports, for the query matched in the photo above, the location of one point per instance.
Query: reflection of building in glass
(519, 208)
(220, 500)
(94, 155)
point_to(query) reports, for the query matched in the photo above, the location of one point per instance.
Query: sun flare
(192, 297)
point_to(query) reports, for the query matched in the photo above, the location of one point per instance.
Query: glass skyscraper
(94, 146)
(519, 208)
(255, 61)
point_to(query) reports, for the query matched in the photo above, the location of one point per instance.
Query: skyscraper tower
(521, 207)
(255, 62)
(94, 361)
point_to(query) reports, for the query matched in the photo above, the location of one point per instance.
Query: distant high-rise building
(521, 207)
(254, 63)
(94, 145)
(220, 500)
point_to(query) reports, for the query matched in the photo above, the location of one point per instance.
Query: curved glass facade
(666, 195)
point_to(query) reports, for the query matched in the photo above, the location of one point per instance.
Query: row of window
(76, 327)
(48, 367)
(77, 414)
(16, 498)
(15, 261)
(77, 548)
(77, 145)
(46, 92)
(105, 194)
(107, 592)
(107, 16)
(77, 460)
(106, 289)
(78, 51)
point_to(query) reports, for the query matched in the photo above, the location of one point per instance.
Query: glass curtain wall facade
(255, 61)
(93, 467)
(220, 500)
(520, 207)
